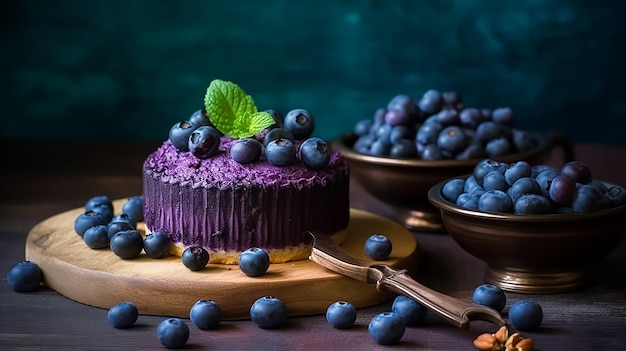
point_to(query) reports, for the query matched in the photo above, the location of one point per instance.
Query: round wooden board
(165, 287)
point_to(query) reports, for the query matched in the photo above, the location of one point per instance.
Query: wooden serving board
(166, 287)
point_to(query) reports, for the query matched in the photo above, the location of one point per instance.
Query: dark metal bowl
(533, 253)
(404, 183)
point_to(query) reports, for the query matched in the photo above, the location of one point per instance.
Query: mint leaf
(233, 112)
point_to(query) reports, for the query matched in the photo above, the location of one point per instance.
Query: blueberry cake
(227, 189)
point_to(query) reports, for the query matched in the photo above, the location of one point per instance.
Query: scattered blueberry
(114, 227)
(246, 150)
(87, 220)
(579, 171)
(278, 118)
(123, 315)
(156, 245)
(254, 261)
(180, 133)
(195, 258)
(616, 195)
(268, 312)
(452, 189)
(24, 276)
(204, 142)
(127, 244)
(489, 295)
(278, 133)
(96, 237)
(200, 118)
(412, 311)
(280, 152)
(134, 207)
(173, 333)
(105, 211)
(205, 314)
(387, 328)
(300, 123)
(315, 153)
(341, 315)
(98, 201)
(495, 201)
(526, 315)
(562, 189)
(378, 247)
(125, 217)
(530, 204)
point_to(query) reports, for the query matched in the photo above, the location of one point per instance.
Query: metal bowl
(404, 183)
(538, 254)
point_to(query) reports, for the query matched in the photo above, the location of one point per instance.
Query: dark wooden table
(41, 179)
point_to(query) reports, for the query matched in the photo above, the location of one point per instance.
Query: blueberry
(254, 261)
(485, 166)
(399, 133)
(300, 123)
(363, 144)
(599, 186)
(470, 183)
(524, 186)
(431, 102)
(378, 247)
(452, 100)
(470, 117)
(495, 201)
(562, 189)
(395, 117)
(362, 127)
(204, 142)
(125, 217)
(448, 117)
(428, 133)
(533, 204)
(315, 153)
(452, 189)
(380, 147)
(156, 245)
(280, 152)
(96, 237)
(268, 312)
(134, 207)
(278, 133)
(200, 118)
(544, 179)
(105, 211)
(387, 328)
(404, 103)
(494, 180)
(206, 314)
(123, 315)
(498, 147)
(180, 133)
(579, 171)
(517, 170)
(523, 140)
(246, 150)
(98, 201)
(472, 151)
(24, 276)
(466, 200)
(173, 333)
(452, 139)
(431, 152)
(341, 315)
(488, 130)
(489, 295)
(526, 315)
(404, 148)
(195, 258)
(587, 199)
(412, 311)
(127, 244)
(503, 115)
(114, 227)
(616, 195)
(536, 169)
(87, 220)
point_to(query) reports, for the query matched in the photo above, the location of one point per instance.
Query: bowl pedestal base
(423, 220)
(535, 283)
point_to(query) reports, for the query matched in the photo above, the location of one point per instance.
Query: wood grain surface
(166, 287)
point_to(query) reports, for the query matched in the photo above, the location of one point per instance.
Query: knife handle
(456, 311)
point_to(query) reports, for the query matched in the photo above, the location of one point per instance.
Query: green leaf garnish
(233, 112)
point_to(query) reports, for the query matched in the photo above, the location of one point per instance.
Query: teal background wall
(130, 69)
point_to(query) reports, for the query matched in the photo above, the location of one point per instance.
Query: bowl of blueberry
(410, 145)
(538, 228)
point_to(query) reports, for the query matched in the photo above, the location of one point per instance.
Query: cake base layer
(165, 287)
